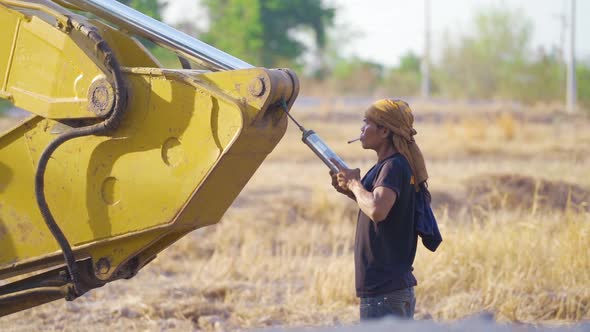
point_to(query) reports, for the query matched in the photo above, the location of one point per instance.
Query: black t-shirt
(384, 251)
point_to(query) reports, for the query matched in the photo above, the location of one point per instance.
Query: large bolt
(101, 97)
(257, 87)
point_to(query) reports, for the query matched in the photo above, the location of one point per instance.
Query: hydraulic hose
(103, 52)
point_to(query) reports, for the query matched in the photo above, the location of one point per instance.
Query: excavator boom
(120, 157)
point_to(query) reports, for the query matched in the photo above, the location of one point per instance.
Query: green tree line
(494, 61)
(262, 32)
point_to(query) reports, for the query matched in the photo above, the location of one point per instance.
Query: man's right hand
(338, 188)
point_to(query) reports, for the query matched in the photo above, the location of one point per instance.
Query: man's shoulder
(397, 162)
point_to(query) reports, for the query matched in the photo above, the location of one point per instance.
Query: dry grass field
(511, 190)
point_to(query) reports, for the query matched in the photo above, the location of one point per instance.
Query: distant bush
(495, 60)
(583, 80)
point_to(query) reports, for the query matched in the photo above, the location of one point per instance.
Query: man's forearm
(350, 195)
(364, 199)
(347, 193)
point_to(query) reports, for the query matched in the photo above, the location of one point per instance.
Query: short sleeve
(393, 176)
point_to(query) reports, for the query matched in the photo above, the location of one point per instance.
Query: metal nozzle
(284, 107)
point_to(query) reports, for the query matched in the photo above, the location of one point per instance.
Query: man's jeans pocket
(400, 303)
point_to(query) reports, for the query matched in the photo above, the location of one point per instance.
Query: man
(386, 239)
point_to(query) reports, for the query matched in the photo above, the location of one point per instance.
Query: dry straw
(511, 200)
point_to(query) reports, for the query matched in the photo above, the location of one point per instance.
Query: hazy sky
(383, 30)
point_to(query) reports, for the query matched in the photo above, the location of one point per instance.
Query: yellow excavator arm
(120, 157)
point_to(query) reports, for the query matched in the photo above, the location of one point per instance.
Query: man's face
(372, 135)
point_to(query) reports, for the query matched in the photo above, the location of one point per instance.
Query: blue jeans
(400, 303)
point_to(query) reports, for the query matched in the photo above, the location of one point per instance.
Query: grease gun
(316, 144)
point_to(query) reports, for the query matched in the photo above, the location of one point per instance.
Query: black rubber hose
(101, 128)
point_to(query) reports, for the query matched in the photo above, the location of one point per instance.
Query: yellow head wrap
(396, 115)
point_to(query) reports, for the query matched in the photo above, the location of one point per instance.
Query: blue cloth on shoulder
(425, 223)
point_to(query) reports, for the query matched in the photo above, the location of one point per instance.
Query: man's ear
(385, 132)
